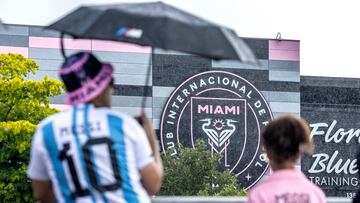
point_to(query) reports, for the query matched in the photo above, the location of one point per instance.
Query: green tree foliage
(194, 172)
(23, 104)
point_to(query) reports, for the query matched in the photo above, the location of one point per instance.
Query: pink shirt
(285, 186)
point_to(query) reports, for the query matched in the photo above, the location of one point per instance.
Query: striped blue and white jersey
(91, 155)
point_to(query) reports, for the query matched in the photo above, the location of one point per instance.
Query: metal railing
(197, 199)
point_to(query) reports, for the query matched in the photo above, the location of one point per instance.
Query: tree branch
(7, 113)
(23, 94)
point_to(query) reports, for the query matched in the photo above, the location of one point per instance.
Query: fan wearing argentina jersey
(90, 153)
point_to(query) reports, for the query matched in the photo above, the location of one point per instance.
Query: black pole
(147, 81)
(62, 45)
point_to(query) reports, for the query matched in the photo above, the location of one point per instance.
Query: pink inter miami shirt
(286, 186)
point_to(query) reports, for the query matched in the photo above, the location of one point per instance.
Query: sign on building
(228, 113)
(333, 113)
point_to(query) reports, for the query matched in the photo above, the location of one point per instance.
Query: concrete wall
(277, 76)
(332, 104)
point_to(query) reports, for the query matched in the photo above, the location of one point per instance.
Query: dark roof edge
(326, 82)
(260, 38)
(327, 77)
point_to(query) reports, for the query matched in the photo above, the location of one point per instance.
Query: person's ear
(307, 148)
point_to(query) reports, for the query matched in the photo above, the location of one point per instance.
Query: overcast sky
(328, 30)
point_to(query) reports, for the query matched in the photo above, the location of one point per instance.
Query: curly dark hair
(285, 137)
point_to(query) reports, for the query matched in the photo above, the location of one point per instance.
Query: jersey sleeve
(253, 196)
(142, 147)
(37, 168)
(322, 197)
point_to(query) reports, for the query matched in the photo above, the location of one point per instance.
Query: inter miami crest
(228, 113)
(217, 119)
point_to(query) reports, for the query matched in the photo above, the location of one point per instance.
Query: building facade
(225, 103)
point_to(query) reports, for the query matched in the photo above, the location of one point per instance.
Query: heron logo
(217, 119)
(214, 137)
(228, 113)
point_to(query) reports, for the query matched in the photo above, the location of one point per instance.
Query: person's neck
(98, 104)
(282, 166)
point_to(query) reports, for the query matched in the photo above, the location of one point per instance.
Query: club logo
(228, 113)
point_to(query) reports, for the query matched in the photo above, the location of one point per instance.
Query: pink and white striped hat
(85, 77)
